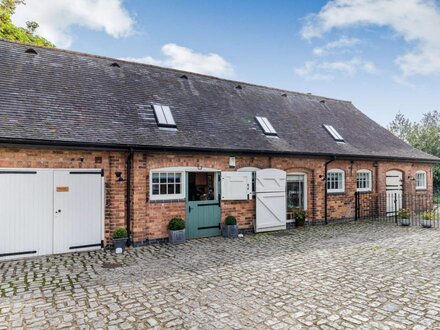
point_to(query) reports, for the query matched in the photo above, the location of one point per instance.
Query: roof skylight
(334, 133)
(266, 126)
(164, 117)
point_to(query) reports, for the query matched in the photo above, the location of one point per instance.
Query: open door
(271, 200)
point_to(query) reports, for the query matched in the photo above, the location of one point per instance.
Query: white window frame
(266, 126)
(369, 181)
(181, 195)
(336, 171)
(334, 133)
(425, 184)
(305, 185)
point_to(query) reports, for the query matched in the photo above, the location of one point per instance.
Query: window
(296, 194)
(266, 126)
(334, 133)
(335, 181)
(363, 180)
(164, 117)
(420, 180)
(166, 185)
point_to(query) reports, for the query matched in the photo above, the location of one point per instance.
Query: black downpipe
(325, 190)
(128, 199)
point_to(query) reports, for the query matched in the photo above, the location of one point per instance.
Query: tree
(423, 135)
(11, 32)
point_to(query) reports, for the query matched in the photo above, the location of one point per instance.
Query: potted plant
(300, 217)
(404, 217)
(120, 238)
(230, 228)
(176, 231)
(427, 218)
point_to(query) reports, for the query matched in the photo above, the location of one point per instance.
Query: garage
(47, 211)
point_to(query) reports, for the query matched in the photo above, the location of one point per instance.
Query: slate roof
(64, 97)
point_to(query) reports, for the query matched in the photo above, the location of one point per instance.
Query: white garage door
(45, 211)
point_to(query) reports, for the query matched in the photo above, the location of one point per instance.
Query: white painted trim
(185, 169)
(425, 186)
(168, 197)
(370, 181)
(334, 191)
(248, 169)
(305, 185)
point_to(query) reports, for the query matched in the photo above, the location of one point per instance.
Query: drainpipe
(325, 189)
(128, 199)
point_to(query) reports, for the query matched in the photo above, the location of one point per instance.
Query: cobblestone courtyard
(359, 275)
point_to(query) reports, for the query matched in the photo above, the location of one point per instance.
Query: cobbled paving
(353, 275)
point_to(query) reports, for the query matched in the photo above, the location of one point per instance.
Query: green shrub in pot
(230, 228)
(176, 231)
(120, 238)
(300, 217)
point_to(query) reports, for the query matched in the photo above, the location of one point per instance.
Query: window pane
(178, 188)
(155, 177)
(170, 189)
(177, 176)
(163, 177)
(155, 189)
(163, 189)
(170, 177)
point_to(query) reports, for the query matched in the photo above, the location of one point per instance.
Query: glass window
(335, 181)
(166, 185)
(296, 194)
(420, 180)
(363, 180)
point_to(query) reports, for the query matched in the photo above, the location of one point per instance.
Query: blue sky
(383, 55)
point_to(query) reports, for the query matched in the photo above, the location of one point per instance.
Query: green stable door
(203, 213)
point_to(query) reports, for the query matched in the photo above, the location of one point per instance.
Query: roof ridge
(73, 52)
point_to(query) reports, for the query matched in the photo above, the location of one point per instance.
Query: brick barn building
(90, 143)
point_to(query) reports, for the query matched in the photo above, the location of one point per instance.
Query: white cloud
(327, 70)
(343, 42)
(56, 17)
(182, 58)
(416, 21)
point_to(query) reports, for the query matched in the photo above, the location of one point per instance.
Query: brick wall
(150, 218)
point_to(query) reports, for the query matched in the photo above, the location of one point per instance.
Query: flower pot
(426, 223)
(230, 231)
(300, 222)
(176, 236)
(120, 243)
(404, 221)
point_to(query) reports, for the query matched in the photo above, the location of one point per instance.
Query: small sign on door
(63, 189)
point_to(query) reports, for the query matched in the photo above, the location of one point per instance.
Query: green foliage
(428, 215)
(423, 135)
(176, 224)
(120, 232)
(230, 220)
(11, 32)
(300, 217)
(404, 213)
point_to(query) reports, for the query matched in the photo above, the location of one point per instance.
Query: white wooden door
(271, 200)
(394, 187)
(78, 210)
(25, 213)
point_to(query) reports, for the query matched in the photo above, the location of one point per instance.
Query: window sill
(335, 193)
(161, 201)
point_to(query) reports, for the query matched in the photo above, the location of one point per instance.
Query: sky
(383, 55)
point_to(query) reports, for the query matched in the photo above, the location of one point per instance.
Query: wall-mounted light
(119, 177)
(231, 162)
